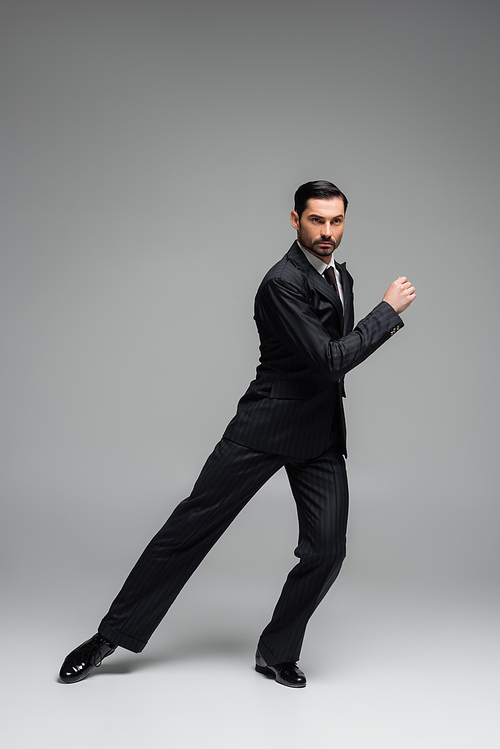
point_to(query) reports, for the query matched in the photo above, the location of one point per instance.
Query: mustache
(326, 241)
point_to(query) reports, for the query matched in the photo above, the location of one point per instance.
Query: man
(291, 416)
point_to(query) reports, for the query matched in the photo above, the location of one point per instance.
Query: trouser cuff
(269, 658)
(117, 638)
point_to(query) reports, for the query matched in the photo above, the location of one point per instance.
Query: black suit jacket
(307, 345)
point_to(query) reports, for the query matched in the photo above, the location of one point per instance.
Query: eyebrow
(316, 215)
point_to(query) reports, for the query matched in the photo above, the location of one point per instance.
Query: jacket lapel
(320, 284)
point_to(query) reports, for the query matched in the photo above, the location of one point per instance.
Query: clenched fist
(400, 294)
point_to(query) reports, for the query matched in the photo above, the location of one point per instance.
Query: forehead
(325, 207)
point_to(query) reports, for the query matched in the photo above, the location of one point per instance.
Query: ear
(294, 218)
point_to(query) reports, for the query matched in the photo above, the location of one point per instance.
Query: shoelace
(93, 652)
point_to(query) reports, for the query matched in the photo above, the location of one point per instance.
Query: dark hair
(320, 188)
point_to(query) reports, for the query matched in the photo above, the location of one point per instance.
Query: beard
(314, 246)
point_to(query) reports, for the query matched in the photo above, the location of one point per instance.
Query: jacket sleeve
(285, 311)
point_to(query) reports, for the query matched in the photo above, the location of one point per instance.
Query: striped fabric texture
(291, 416)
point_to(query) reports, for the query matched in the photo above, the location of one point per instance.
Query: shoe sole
(74, 681)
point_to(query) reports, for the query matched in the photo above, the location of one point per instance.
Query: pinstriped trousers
(230, 478)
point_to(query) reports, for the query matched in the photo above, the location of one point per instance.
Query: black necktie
(329, 274)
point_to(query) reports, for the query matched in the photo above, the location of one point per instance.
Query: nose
(326, 230)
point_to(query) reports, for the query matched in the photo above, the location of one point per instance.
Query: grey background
(150, 151)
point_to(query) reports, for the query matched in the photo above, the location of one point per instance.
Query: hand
(400, 294)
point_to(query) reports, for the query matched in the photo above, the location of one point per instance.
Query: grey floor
(385, 669)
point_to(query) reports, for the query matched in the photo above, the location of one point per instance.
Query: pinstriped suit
(292, 416)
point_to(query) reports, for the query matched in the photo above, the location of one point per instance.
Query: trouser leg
(229, 479)
(320, 490)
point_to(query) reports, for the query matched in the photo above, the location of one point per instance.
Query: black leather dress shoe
(87, 656)
(288, 674)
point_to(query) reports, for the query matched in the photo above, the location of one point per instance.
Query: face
(321, 226)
